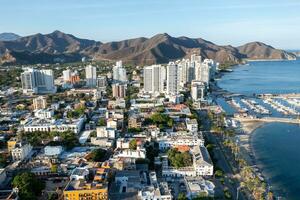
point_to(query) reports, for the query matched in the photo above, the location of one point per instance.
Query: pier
(269, 119)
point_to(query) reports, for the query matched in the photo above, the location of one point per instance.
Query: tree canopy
(28, 185)
(179, 159)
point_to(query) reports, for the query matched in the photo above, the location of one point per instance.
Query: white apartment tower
(67, 74)
(154, 78)
(119, 72)
(172, 79)
(198, 90)
(39, 103)
(38, 81)
(91, 76)
(203, 72)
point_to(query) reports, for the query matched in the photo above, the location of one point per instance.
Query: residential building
(39, 103)
(119, 72)
(101, 83)
(44, 113)
(119, 90)
(156, 190)
(67, 74)
(11, 143)
(21, 151)
(172, 140)
(36, 81)
(198, 90)
(91, 76)
(191, 125)
(172, 79)
(105, 132)
(154, 79)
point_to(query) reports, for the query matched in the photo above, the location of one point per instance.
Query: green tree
(101, 122)
(28, 185)
(133, 144)
(98, 155)
(179, 159)
(182, 196)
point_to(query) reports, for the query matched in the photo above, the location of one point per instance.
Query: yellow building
(80, 188)
(11, 144)
(87, 193)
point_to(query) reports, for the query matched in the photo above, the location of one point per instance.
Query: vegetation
(101, 122)
(182, 196)
(76, 113)
(68, 138)
(162, 120)
(179, 159)
(9, 77)
(134, 130)
(98, 155)
(29, 186)
(133, 144)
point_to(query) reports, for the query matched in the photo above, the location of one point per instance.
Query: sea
(276, 146)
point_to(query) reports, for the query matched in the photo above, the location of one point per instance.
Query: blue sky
(220, 21)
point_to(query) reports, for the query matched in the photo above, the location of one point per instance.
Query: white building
(38, 81)
(156, 190)
(91, 76)
(60, 125)
(67, 74)
(198, 90)
(101, 83)
(119, 72)
(202, 165)
(154, 78)
(191, 125)
(21, 151)
(104, 132)
(128, 153)
(44, 113)
(172, 79)
(178, 139)
(39, 103)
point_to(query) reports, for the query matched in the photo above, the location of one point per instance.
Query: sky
(223, 22)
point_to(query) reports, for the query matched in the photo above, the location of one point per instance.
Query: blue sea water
(276, 149)
(276, 145)
(276, 77)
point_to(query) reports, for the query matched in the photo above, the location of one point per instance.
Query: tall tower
(172, 79)
(91, 76)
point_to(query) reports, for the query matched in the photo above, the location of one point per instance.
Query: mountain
(259, 50)
(8, 36)
(161, 48)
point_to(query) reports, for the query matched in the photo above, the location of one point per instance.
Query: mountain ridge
(160, 48)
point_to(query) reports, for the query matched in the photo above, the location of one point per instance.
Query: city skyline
(238, 22)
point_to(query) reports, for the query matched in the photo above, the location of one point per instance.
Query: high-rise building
(101, 82)
(67, 74)
(39, 103)
(203, 72)
(198, 90)
(119, 90)
(38, 81)
(91, 76)
(172, 79)
(154, 79)
(119, 72)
